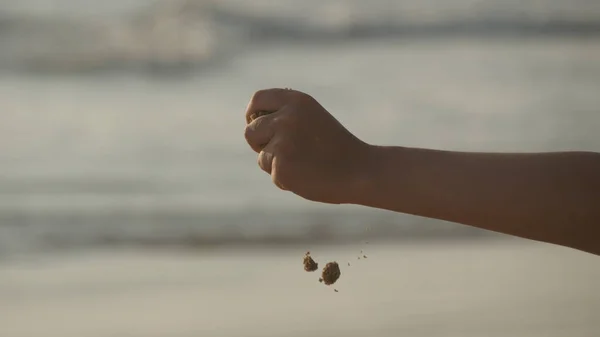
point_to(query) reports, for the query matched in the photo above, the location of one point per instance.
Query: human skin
(552, 197)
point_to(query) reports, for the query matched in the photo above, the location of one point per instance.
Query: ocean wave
(151, 40)
(32, 232)
(180, 35)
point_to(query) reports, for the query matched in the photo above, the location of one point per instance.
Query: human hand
(304, 148)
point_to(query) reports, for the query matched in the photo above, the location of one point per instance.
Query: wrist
(388, 180)
(370, 180)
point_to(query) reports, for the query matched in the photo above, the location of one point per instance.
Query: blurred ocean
(122, 120)
(122, 132)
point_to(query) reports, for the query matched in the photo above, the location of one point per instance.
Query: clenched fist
(304, 148)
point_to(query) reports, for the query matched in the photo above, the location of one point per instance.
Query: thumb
(260, 132)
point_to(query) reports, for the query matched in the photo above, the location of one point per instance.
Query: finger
(266, 101)
(276, 173)
(265, 159)
(256, 115)
(268, 162)
(259, 132)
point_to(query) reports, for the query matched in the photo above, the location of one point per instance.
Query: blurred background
(130, 204)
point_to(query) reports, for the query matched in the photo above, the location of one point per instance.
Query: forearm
(551, 197)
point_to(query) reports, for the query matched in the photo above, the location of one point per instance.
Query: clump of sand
(309, 264)
(331, 273)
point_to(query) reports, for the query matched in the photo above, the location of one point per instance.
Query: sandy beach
(493, 288)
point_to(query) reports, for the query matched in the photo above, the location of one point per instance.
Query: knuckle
(261, 163)
(248, 133)
(255, 101)
(261, 125)
(278, 182)
(257, 96)
(265, 162)
(251, 138)
(251, 130)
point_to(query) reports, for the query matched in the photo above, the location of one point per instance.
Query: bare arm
(551, 197)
